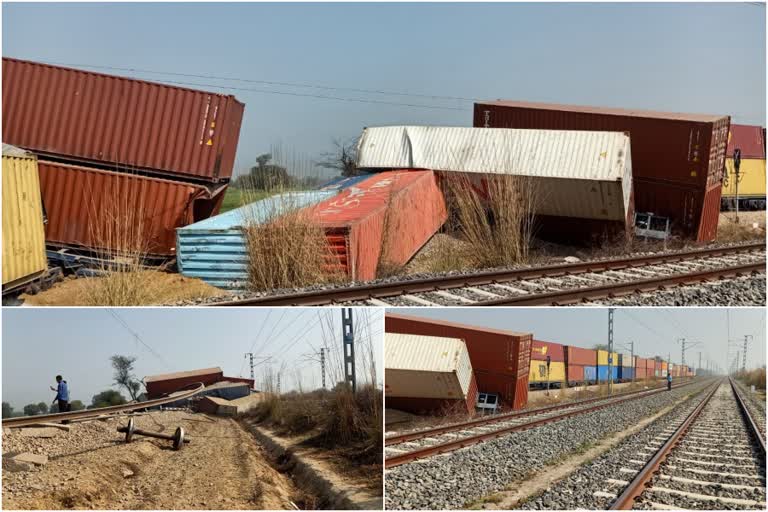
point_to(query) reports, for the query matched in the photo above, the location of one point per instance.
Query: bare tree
(124, 377)
(342, 158)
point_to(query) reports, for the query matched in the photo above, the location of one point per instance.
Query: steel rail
(626, 500)
(758, 434)
(25, 421)
(383, 290)
(625, 288)
(421, 434)
(449, 446)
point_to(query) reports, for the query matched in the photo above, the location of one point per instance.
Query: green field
(235, 198)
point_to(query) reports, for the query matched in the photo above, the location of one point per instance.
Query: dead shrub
(754, 377)
(286, 248)
(497, 221)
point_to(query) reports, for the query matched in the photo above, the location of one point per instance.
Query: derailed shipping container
(24, 257)
(500, 359)
(94, 210)
(677, 159)
(215, 249)
(166, 383)
(580, 182)
(386, 219)
(428, 374)
(120, 123)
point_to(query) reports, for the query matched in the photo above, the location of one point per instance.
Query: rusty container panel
(500, 359)
(710, 215)
(670, 151)
(162, 385)
(749, 139)
(120, 123)
(93, 209)
(582, 356)
(541, 349)
(375, 221)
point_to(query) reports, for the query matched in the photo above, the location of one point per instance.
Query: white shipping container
(626, 360)
(426, 367)
(579, 174)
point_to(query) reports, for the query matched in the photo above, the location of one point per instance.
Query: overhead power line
(288, 84)
(137, 337)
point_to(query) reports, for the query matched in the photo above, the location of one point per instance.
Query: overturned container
(118, 123)
(215, 249)
(678, 159)
(24, 257)
(500, 359)
(428, 374)
(577, 183)
(382, 220)
(112, 213)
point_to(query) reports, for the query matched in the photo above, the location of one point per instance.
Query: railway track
(541, 286)
(714, 460)
(24, 421)
(410, 446)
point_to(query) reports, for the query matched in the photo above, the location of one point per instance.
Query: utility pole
(610, 350)
(747, 337)
(250, 355)
(736, 166)
(699, 367)
(322, 364)
(349, 348)
(278, 382)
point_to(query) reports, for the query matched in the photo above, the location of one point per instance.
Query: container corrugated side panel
(538, 373)
(215, 249)
(372, 222)
(575, 373)
(751, 179)
(520, 398)
(590, 373)
(602, 373)
(749, 139)
(120, 122)
(582, 356)
(23, 231)
(710, 215)
(83, 204)
(541, 349)
(625, 359)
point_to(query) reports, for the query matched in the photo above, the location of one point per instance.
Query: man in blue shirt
(62, 394)
(669, 381)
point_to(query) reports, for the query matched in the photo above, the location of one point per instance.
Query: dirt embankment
(90, 467)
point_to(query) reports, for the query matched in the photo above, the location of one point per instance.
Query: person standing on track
(62, 394)
(669, 381)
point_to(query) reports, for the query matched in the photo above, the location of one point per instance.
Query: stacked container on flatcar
(626, 369)
(581, 365)
(678, 160)
(607, 370)
(500, 359)
(750, 140)
(547, 365)
(428, 374)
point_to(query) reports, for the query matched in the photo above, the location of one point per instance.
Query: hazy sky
(655, 331)
(38, 344)
(707, 58)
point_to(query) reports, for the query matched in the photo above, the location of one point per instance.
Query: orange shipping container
(386, 218)
(93, 209)
(120, 123)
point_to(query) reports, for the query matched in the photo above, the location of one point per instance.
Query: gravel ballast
(457, 479)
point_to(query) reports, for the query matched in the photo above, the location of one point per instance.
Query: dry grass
(753, 378)
(286, 249)
(751, 226)
(497, 223)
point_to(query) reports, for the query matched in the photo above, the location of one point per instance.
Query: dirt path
(222, 468)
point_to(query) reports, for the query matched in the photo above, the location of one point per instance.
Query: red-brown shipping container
(500, 359)
(576, 372)
(120, 123)
(90, 209)
(581, 356)
(671, 152)
(161, 385)
(749, 139)
(435, 405)
(541, 349)
(386, 218)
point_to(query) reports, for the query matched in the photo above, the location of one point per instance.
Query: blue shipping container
(602, 373)
(626, 373)
(590, 373)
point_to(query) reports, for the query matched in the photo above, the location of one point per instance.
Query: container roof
(455, 324)
(9, 150)
(181, 375)
(653, 114)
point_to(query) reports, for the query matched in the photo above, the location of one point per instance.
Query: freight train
(555, 365)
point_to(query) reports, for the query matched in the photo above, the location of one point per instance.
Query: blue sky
(690, 57)
(77, 343)
(655, 331)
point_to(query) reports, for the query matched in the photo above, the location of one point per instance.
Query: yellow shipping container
(538, 372)
(752, 173)
(602, 358)
(24, 256)
(663, 365)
